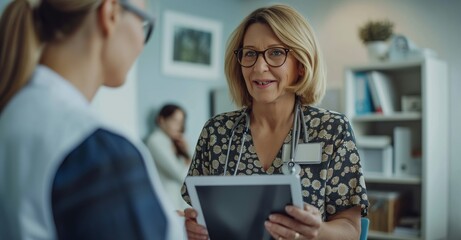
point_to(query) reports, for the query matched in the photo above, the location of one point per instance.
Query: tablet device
(235, 207)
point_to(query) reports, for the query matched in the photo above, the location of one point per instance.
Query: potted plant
(374, 35)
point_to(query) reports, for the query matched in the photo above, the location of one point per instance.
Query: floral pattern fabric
(335, 184)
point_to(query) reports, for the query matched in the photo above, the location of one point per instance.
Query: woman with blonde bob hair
(64, 174)
(295, 34)
(275, 73)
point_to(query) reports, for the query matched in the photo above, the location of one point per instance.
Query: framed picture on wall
(191, 46)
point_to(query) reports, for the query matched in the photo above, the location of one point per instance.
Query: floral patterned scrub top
(333, 185)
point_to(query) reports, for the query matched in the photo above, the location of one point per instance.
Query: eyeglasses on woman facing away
(274, 56)
(148, 20)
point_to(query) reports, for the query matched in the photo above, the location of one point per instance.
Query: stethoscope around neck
(288, 168)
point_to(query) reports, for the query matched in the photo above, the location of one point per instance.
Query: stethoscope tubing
(297, 121)
(294, 135)
(247, 124)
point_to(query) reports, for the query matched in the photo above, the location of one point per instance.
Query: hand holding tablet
(235, 207)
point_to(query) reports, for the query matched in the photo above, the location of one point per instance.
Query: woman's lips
(263, 83)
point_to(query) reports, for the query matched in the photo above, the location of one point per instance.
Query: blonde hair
(293, 30)
(25, 26)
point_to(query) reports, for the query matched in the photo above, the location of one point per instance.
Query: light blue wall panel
(156, 88)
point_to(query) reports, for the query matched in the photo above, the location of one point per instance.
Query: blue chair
(364, 222)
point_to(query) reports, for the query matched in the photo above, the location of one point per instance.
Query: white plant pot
(377, 50)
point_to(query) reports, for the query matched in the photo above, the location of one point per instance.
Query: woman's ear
(108, 15)
(301, 70)
(160, 122)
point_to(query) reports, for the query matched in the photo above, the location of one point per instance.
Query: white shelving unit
(426, 77)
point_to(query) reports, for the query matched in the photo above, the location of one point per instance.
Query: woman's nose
(261, 64)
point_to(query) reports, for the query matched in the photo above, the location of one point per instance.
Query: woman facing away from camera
(169, 149)
(64, 174)
(275, 72)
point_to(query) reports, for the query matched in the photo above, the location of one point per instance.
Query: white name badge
(306, 153)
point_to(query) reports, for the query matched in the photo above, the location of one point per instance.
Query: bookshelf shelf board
(389, 236)
(397, 116)
(393, 179)
(388, 65)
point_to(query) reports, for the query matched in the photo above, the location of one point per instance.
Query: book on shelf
(363, 101)
(382, 92)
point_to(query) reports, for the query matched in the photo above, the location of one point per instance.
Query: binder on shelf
(405, 163)
(382, 92)
(363, 102)
(374, 96)
(376, 155)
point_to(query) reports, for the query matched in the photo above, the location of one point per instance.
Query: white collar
(45, 76)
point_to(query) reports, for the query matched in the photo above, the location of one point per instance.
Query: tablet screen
(247, 207)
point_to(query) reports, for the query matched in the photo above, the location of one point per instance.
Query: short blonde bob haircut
(293, 30)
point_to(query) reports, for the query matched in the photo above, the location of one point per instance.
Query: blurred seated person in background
(275, 72)
(170, 151)
(64, 174)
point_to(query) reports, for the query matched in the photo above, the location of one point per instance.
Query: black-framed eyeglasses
(148, 20)
(274, 56)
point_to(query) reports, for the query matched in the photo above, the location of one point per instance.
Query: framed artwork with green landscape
(191, 46)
